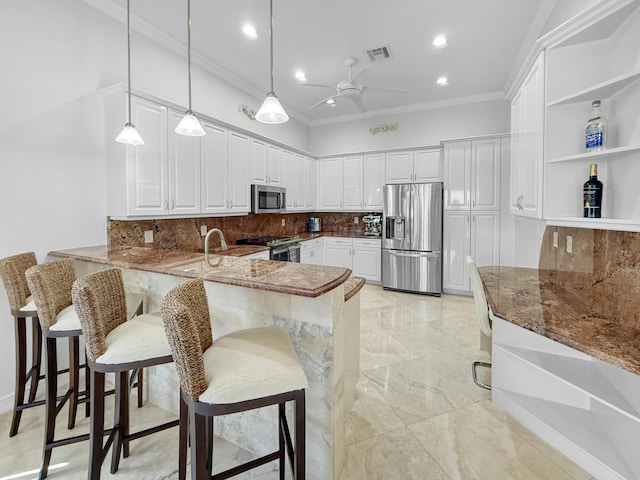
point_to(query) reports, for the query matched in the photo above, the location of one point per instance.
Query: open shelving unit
(596, 60)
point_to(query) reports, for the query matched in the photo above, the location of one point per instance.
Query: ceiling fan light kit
(189, 126)
(129, 135)
(271, 111)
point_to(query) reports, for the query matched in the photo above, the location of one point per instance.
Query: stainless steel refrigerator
(412, 238)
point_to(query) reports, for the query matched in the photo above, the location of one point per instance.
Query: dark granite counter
(223, 267)
(544, 302)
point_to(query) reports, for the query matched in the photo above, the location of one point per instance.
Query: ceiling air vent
(379, 53)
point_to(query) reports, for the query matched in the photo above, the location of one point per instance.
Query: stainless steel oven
(286, 249)
(286, 253)
(267, 199)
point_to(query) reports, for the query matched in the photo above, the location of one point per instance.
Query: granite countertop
(538, 301)
(359, 234)
(223, 267)
(353, 286)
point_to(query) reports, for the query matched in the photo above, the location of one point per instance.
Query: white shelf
(609, 152)
(601, 90)
(622, 224)
(582, 374)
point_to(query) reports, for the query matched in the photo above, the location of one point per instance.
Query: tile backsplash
(184, 233)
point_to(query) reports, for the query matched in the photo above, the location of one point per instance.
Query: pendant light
(189, 125)
(129, 134)
(271, 111)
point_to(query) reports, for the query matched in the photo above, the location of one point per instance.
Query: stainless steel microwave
(267, 199)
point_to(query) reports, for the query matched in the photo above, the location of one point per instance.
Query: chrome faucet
(223, 244)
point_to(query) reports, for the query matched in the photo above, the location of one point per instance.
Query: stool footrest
(232, 472)
(149, 431)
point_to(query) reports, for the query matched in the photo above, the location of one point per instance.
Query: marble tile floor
(417, 415)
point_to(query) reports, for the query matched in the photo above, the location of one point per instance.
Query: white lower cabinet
(361, 255)
(312, 251)
(475, 233)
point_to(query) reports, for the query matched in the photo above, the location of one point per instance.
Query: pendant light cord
(188, 47)
(271, 41)
(129, 58)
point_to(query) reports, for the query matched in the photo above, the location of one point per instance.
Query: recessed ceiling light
(331, 102)
(250, 31)
(300, 75)
(440, 41)
(443, 81)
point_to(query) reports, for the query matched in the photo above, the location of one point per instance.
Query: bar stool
(241, 371)
(50, 285)
(22, 307)
(115, 345)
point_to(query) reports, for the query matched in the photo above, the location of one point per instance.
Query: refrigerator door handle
(396, 253)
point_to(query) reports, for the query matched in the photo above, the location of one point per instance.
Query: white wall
(415, 129)
(55, 56)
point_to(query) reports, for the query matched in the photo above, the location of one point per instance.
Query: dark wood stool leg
(300, 437)
(122, 393)
(51, 380)
(183, 439)
(87, 387)
(209, 441)
(74, 379)
(140, 386)
(21, 368)
(197, 430)
(281, 446)
(124, 419)
(97, 425)
(36, 357)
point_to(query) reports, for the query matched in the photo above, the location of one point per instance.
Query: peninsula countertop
(534, 299)
(223, 267)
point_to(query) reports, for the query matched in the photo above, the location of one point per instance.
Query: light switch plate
(148, 236)
(283, 222)
(203, 230)
(356, 219)
(569, 244)
(555, 239)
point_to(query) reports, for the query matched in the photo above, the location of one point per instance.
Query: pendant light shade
(271, 111)
(129, 135)
(189, 125)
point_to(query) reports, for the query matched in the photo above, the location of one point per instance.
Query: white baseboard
(6, 403)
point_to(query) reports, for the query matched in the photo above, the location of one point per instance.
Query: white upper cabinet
(427, 165)
(266, 163)
(301, 184)
(274, 165)
(312, 183)
(472, 174)
(289, 178)
(593, 57)
(214, 171)
(184, 170)
(330, 184)
(399, 167)
(296, 180)
(352, 178)
(527, 116)
(373, 181)
(239, 158)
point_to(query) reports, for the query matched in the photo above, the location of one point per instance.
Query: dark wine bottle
(593, 194)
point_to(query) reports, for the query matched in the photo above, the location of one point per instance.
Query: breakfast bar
(567, 367)
(317, 305)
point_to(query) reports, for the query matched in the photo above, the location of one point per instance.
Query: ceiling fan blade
(323, 101)
(353, 79)
(372, 89)
(359, 103)
(317, 85)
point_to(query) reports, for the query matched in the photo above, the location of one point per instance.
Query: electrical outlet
(283, 222)
(356, 219)
(569, 244)
(203, 230)
(555, 239)
(148, 236)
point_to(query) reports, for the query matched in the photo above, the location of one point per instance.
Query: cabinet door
(184, 170)
(352, 182)
(367, 259)
(312, 183)
(300, 173)
(147, 184)
(485, 238)
(399, 167)
(373, 165)
(289, 178)
(427, 165)
(239, 153)
(517, 151)
(456, 239)
(457, 173)
(532, 155)
(485, 174)
(330, 183)
(214, 160)
(339, 254)
(258, 162)
(274, 165)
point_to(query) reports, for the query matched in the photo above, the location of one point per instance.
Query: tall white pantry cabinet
(471, 217)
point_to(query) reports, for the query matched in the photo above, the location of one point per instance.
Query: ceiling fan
(350, 89)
